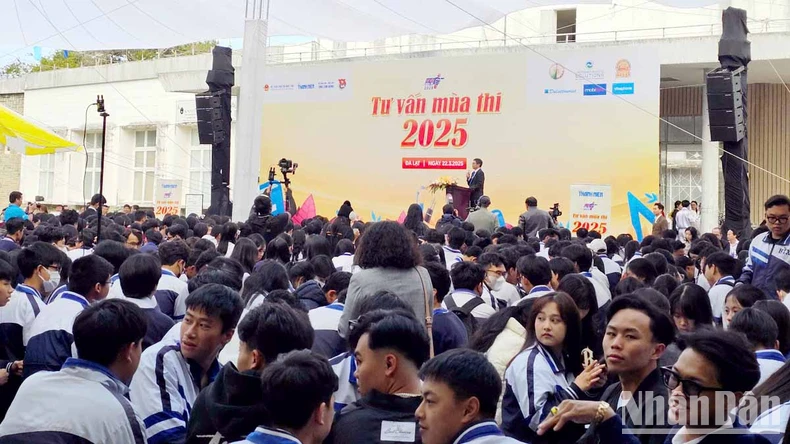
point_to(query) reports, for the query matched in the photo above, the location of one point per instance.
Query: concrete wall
(10, 161)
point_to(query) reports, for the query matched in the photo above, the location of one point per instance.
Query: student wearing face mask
(171, 292)
(495, 279)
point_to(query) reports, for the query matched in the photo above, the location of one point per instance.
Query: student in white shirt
(719, 268)
(171, 293)
(535, 275)
(344, 256)
(455, 239)
(468, 281)
(761, 331)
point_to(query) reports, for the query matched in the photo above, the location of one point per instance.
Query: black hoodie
(231, 406)
(311, 295)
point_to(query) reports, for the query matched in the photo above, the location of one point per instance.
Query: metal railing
(313, 51)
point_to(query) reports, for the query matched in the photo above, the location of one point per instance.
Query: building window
(566, 26)
(46, 168)
(93, 165)
(144, 165)
(200, 169)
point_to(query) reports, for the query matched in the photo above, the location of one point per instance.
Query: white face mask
(497, 283)
(53, 282)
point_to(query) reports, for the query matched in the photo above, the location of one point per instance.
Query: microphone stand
(103, 113)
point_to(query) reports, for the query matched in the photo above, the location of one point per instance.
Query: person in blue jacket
(769, 253)
(14, 207)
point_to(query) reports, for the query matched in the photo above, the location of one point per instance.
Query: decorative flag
(306, 211)
(402, 217)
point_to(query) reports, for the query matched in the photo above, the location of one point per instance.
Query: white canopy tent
(131, 24)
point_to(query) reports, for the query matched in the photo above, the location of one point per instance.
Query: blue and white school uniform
(16, 319)
(344, 262)
(344, 367)
(83, 402)
(535, 382)
(486, 432)
(602, 293)
(115, 288)
(171, 295)
(770, 361)
(718, 293)
(534, 293)
(265, 435)
(163, 390)
(51, 341)
(452, 257)
(325, 321)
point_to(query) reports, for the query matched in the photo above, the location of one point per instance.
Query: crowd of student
(190, 330)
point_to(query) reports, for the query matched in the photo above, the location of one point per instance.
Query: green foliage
(76, 59)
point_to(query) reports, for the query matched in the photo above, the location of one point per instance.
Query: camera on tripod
(287, 166)
(555, 212)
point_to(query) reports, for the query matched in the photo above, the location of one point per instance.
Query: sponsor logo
(623, 69)
(433, 82)
(622, 89)
(341, 83)
(559, 91)
(283, 87)
(326, 85)
(589, 74)
(306, 85)
(595, 90)
(266, 87)
(589, 64)
(556, 71)
(589, 206)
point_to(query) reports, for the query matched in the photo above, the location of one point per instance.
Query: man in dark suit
(96, 202)
(476, 180)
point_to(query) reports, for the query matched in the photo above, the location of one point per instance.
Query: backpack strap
(450, 303)
(428, 298)
(471, 305)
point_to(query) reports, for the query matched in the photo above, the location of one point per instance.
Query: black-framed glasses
(777, 220)
(690, 388)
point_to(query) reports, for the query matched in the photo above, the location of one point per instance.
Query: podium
(460, 199)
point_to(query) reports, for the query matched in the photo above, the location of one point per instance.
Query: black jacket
(476, 184)
(449, 219)
(361, 422)
(231, 406)
(268, 226)
(311, 295)
(652, 383)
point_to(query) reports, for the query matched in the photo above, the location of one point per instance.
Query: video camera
(288, 166)
(555, 212)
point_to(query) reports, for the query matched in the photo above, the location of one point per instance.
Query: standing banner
(591, 208)
(276, 195)
(167, 198)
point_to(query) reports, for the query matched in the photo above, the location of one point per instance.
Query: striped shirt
(171, 295)
(51, 341)
(16, 319)
(264, 435)
(163, 390)
(344, 367)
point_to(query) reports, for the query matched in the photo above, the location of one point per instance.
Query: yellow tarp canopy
(29, 139)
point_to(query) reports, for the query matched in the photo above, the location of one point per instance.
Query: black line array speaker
(209, 118)
(725, 105)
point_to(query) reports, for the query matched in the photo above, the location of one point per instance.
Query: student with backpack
(466, 300)
(542, 375)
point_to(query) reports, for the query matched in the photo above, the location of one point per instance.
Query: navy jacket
(767, 256)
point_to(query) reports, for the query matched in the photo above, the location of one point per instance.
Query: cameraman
(262, 222)
(534, 219)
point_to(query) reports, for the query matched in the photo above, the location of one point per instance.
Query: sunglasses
(690, 388)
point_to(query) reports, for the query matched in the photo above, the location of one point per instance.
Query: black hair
(140, 275)
(219, 301)
(692, 302)
(317, 245)
(268, 276)
(396, 330)
(489, 329)
(14, 196)
(746, 295)
(456, 238)
(536, 269)
(229, 231)
(659, 262)
(230, 267)
(736, 366)
(49, 234)
(429, 253)
(294, 386)
(205, 258)
(644, 269)
(274, 329)
(531, 202)
(782, 280)
(278, 249)
(101, 330)
(7, 272)
(344, 246)
(487, 259)
(383, 300)
(39, 253)
(302, 270)
(285, 297)
(665, 284)
(246, 253)
(414, 219)
(173, 251)
(726, 264)
(654, 297)
(779, 313)
(337, 281)
(88, 271)
(388, 244)
(178, 230)
(661, 326)
(468, 374)
(561, 266)
(114, 252)
(14, 225)
(581, 290)
(154, 236)
(323, 266)
(630, 249)
(580, 255)
(626, 286)
(776, 201)
(98, 199)
(758, 327)
(440, 278)
(467, 275)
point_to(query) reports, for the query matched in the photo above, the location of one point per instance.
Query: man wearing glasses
(769, 252)
(710, 377)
